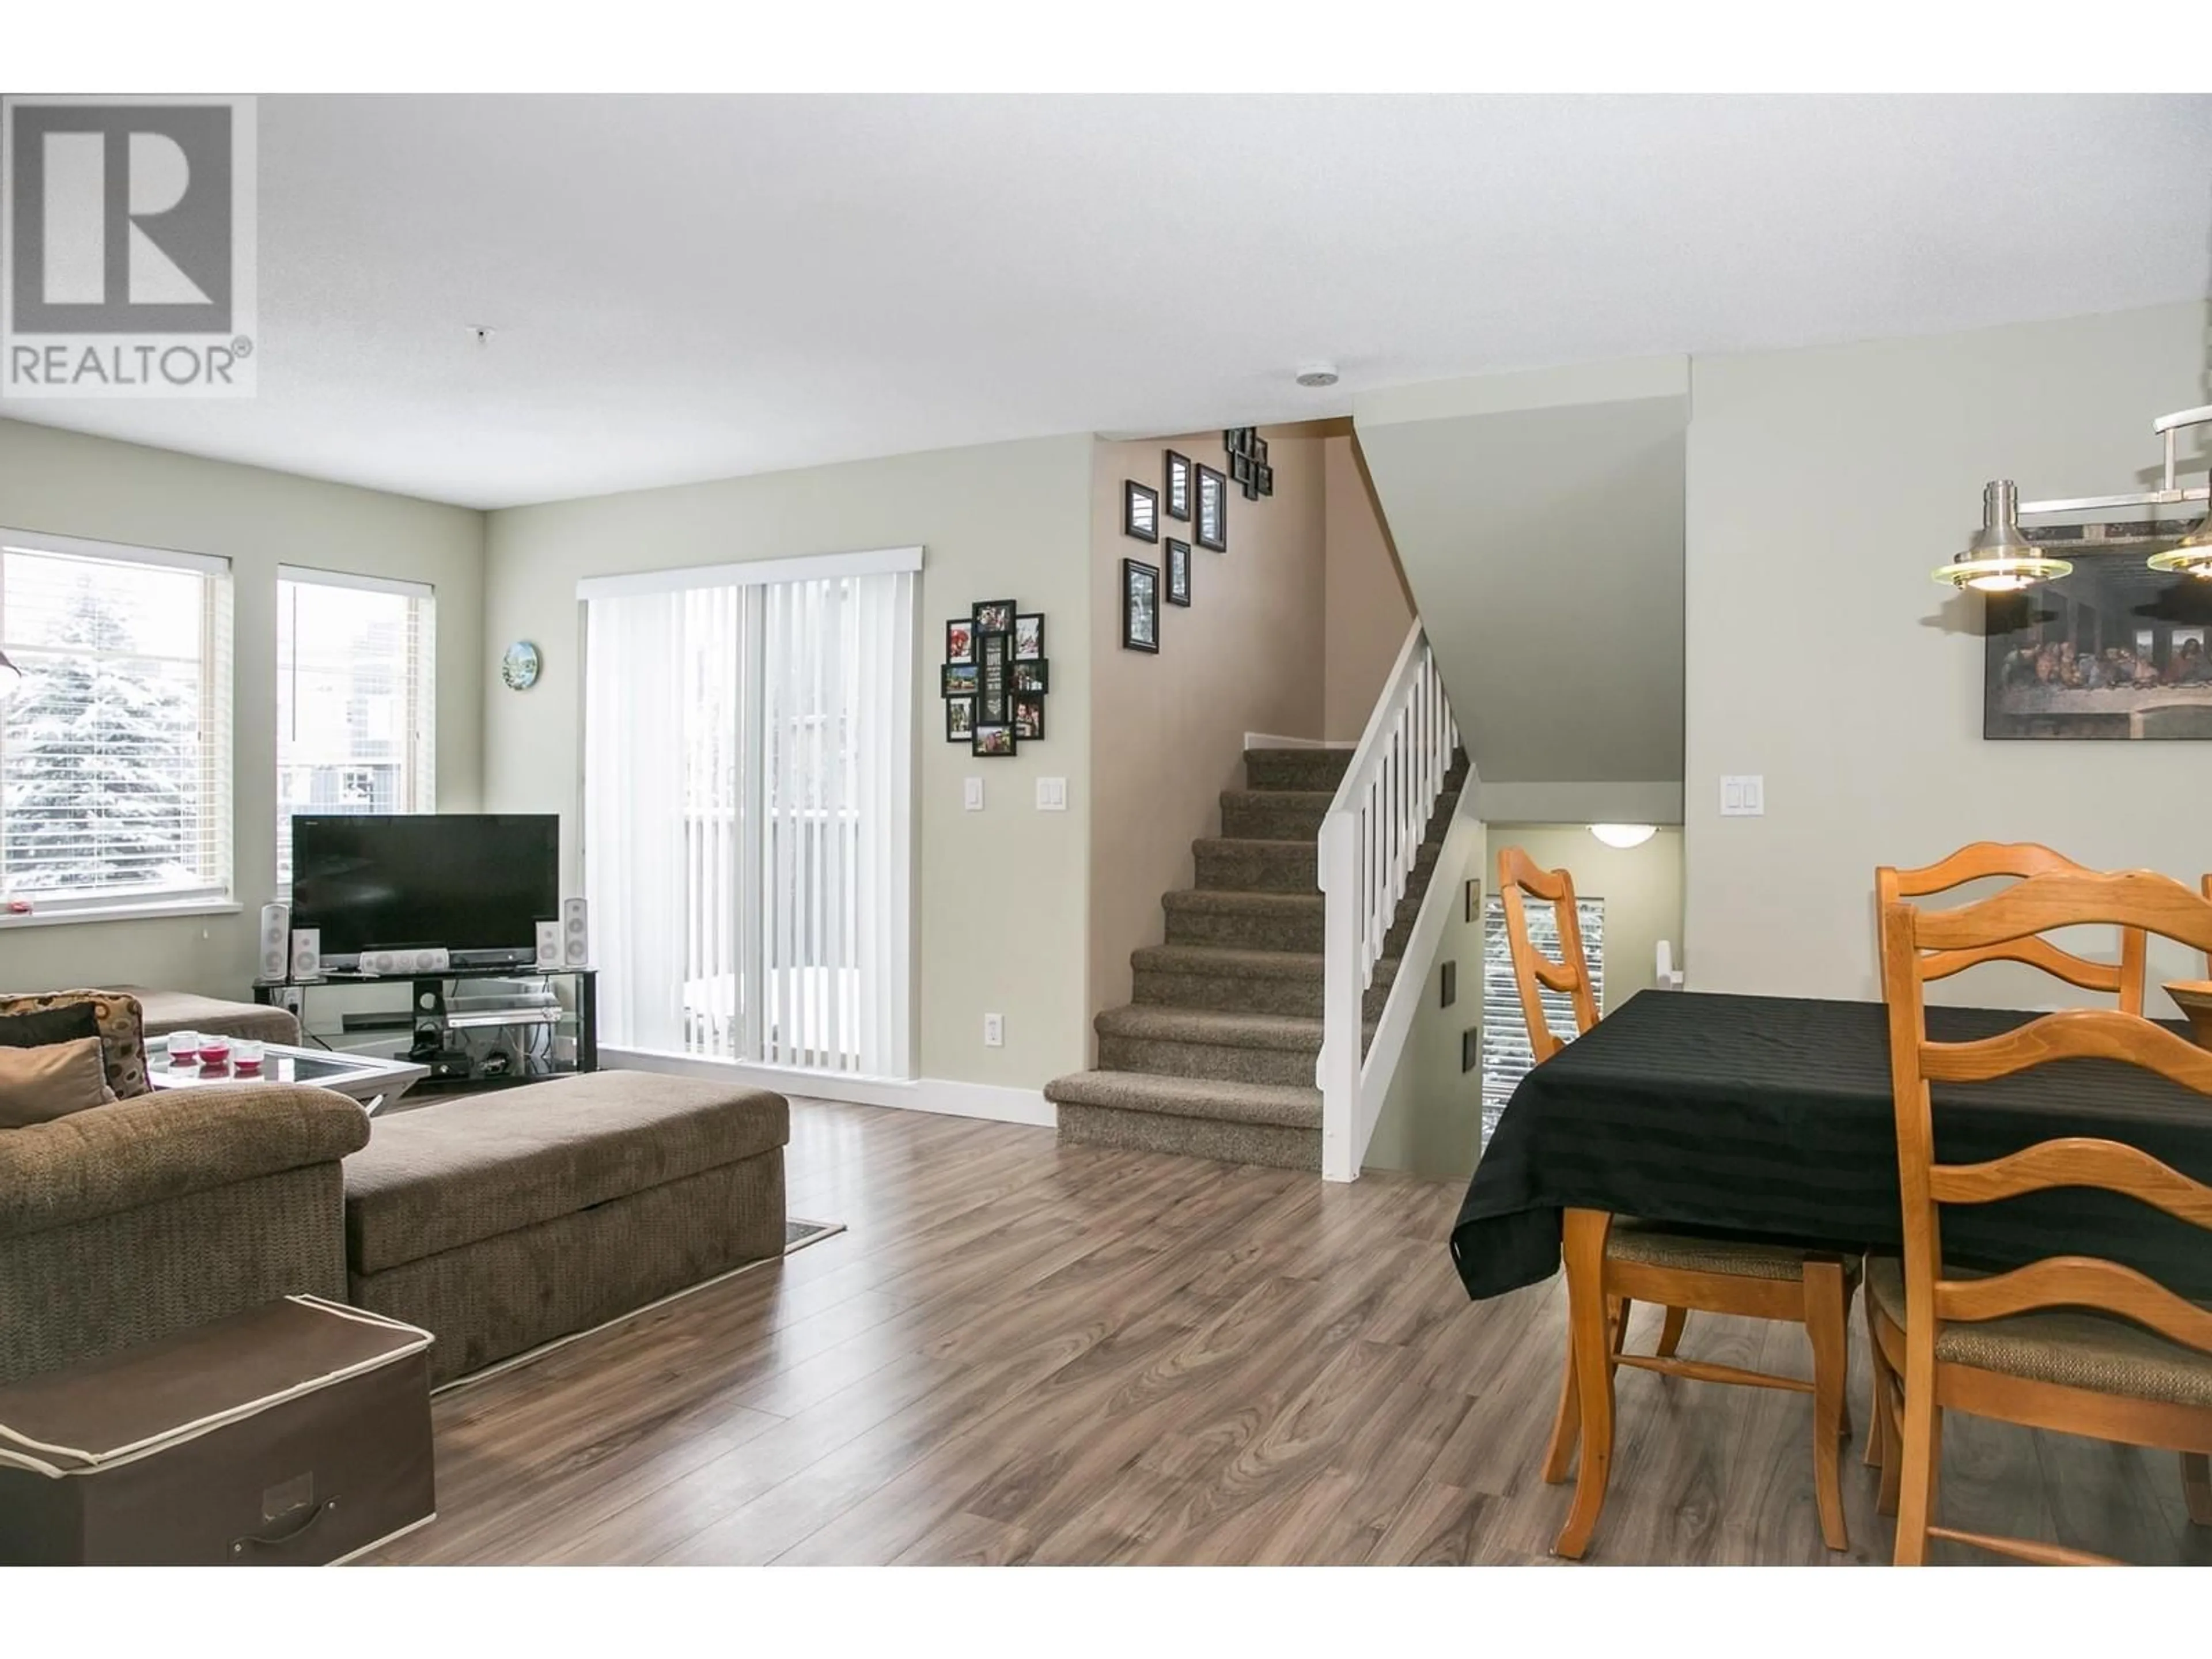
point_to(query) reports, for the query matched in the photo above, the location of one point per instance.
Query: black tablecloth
(1771, 1117)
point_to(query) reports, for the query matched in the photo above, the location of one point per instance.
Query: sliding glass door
(749, 781)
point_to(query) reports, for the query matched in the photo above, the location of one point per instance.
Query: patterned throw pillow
(122, 1026)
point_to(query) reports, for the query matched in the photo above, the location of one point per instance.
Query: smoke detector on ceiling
(1317, 375)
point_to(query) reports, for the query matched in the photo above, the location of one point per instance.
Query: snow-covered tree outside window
(115, 777)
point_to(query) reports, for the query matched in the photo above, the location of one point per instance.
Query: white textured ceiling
(698, 288)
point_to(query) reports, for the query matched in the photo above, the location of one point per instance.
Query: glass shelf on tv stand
(354, 976)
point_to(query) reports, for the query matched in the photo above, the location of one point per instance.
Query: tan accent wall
(1826, 660)
(1000, 893)
(68, 484)
(1167, 732)
(1367, 608)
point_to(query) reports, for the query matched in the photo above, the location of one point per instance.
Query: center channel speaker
(427, 960)
(576, 937)
(275, 941)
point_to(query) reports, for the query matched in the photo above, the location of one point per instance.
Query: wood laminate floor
(1020, 1352)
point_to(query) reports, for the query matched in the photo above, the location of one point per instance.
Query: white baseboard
(990, 1100)
(1267, 740)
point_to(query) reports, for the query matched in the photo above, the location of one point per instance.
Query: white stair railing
(1369, 844)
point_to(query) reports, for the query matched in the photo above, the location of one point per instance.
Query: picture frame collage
(1192, 494)
(996, 676)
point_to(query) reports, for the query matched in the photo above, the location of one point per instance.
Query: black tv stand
(578, 1017)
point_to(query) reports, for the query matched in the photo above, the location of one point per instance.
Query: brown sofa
(129, 1222)
(186, 1011)
(502, 1221)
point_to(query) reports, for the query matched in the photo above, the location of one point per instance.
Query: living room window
(748, 808)
(115, 740)
(356, 688)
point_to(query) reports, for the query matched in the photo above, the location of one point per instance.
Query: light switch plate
(995, 1030)
(1051, 794)
(971, 795)
(1743, 797)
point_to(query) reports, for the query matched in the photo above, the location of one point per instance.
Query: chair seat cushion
(2072, 1347)
(1653, 1246)
(439, 1177)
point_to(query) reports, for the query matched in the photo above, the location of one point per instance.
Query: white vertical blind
(115, 749)
(357, 699)
(634, 817)
(771, 780)
(1506, 1056)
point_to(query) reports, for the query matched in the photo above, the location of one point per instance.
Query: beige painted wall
(65, 484)
(1368, 611)
(1001, 892)
(1167, 732)
(1823, 487)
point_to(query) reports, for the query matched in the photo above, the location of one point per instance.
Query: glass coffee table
(376, 1084)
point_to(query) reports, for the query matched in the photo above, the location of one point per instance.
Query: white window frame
(219, 760)
(420, 789)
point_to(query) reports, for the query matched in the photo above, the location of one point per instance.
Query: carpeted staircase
(1215, 1057)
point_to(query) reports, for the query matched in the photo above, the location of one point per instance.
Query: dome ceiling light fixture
(1623, 835)
(2002, 558)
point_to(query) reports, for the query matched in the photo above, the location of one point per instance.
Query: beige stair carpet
(1215, 1057)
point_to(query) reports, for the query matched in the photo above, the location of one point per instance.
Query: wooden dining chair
(2072, 1343)
(1982, 860)
(1678, 1270)
(1978, 861)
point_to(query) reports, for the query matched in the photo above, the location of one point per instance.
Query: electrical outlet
(995, 1030)
(1743, 797)
(971, 795)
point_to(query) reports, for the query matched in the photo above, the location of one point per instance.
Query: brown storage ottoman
(295, 1433)
(504, 1221)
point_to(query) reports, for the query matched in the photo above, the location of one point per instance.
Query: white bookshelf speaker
(276, 941)
(549, 948)
(306, 953)
(575, 937)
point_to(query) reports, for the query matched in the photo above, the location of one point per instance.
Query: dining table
(1769, 1118)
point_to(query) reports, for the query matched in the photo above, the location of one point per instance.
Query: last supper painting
(2113, 651)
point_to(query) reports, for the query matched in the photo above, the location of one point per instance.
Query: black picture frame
(1233, 440)
(2112, 652)
(1030, 678)
(959, 680)
(959, 719)
(1175, 487)
(994, 740)
(960, 640)
(994, 652)
(1240, 468)
(1140, 511)
(1028, 719)
(993, 616)
(1178, 572)
(1029, 641)
(1211, 528)
(1266, 476)
(1257, 449)
(1140, 606)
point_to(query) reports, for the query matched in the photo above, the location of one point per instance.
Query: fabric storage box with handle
(294, 1433)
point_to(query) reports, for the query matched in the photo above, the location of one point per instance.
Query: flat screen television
(477, 883)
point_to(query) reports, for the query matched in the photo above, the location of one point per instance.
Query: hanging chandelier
(2001, 559)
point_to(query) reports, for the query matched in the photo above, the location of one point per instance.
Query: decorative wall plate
(520, 667)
